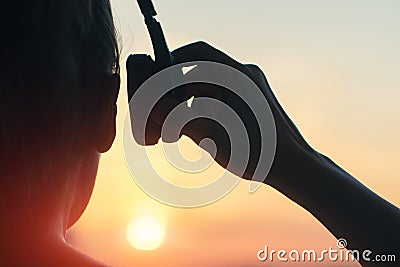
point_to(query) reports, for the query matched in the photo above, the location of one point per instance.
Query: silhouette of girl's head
(58, 86)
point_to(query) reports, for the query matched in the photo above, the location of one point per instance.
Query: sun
(145, 233)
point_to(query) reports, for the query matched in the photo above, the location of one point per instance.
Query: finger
(201, 51)
(169, 116)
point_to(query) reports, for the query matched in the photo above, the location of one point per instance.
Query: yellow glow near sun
(145, 233)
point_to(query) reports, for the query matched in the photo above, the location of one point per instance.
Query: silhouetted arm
(344, 206)
(341, 203)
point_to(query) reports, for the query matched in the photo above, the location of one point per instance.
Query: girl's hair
(51, 53)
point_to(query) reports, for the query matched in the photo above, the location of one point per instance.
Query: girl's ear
(107, 112)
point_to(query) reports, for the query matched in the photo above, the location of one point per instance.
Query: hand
(292, 151)
(341, 203)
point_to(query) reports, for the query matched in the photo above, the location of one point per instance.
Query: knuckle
(254, 68)
(202, 46)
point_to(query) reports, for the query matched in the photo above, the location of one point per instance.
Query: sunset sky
(334, 66)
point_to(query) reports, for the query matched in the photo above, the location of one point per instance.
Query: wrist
(299, 166)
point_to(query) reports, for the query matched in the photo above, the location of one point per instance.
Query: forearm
(343, 205)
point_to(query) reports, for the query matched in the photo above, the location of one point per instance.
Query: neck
(34, 219)
(36, 211)
(34, 235)
(33, 223)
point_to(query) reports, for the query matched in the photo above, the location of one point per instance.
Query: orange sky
(333, 66)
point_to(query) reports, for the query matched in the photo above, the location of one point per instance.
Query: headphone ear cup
(141, 67)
